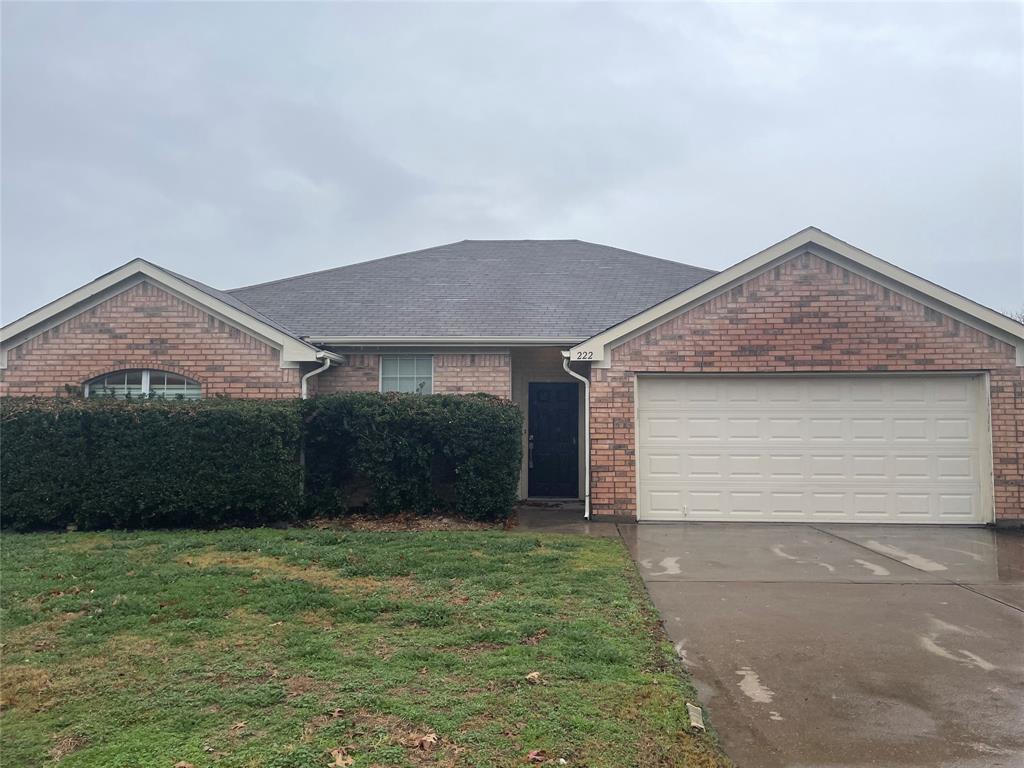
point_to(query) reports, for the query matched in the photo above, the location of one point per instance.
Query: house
(811, 381)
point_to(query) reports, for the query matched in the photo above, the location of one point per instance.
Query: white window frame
(145, 380)
(380, 371)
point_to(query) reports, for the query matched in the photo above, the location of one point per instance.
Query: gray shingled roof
(231, 301)
(508, 288)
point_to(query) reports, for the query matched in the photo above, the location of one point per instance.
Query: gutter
(327, 357)
(586, 432)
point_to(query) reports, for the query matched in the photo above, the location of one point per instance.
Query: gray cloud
(242, 142)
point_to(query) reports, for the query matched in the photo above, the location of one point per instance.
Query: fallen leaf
(426, 742)
(239, 726)
(535, 638)
(536, 756)
(183, 764)
(534, 677)
(341, 757)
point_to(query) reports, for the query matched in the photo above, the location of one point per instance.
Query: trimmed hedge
(108, 463)
(414, 453)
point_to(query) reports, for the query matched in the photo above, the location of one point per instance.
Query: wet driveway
(856, 645)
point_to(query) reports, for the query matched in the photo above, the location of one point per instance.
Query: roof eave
(448, 341)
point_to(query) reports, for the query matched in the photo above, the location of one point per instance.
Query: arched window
(143, 382)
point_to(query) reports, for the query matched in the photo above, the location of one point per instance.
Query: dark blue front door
(554, 440)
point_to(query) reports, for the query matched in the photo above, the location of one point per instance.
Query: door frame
(575, 478)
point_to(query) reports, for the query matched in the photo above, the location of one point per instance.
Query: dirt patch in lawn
(422, 746)
(263, 566)
(28, 687)
(395, 523)
(65, 745)
(40, 635)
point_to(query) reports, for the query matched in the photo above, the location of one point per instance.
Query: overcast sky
(239, 143)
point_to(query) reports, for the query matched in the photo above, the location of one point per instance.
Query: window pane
(389, 384)
(423, 386)
(389, 366)
(406, 384)
(123, 384)
(406, 366)
(423, 366)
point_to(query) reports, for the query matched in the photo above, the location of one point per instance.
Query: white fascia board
(596, 349)
(440, 341)
(90, 294)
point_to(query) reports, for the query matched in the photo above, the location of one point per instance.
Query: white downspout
(311, 374)
(586, 433)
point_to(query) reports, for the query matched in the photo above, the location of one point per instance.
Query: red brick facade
(454, 373)
(474, 372)
(146, 327)
(805, 315)
(355, 373)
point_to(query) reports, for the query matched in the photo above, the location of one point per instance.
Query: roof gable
(597, 348)
(223, 306)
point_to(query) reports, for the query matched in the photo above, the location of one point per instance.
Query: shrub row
(414, 453)
(157, 464)
(148, 464)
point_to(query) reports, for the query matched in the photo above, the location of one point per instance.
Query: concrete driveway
(833, 645)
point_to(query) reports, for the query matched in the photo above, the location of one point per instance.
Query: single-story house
(811, 381)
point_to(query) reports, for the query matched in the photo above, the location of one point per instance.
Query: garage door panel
(896, 449)
(912, 430)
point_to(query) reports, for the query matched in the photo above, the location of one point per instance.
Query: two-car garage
(912, 448)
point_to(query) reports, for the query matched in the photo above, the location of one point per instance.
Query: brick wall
(805, 315)
(355, 373)
(475, 372)
(146, 327)
(453, 374)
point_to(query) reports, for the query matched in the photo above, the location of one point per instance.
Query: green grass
(266, 648)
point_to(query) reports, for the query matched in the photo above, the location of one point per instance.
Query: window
(143, 383)
(407, 373)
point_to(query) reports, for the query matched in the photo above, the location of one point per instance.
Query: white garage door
(900, 449)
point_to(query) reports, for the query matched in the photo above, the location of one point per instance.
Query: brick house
(811, 381)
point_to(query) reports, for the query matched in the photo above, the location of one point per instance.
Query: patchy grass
(301, 648)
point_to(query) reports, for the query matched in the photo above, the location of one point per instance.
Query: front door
(554, 440)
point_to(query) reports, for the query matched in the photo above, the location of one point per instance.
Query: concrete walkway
(833, 645)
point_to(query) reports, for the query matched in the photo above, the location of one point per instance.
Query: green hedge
(158, 464)
(414, 453)
(148, 464)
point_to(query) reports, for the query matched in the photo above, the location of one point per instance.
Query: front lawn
(301, 648)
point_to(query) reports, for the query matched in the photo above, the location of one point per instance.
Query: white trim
(596, 348)
(433, 341)
(34, 323)
(987, 469)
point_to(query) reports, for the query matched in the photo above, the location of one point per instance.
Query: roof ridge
(231, 291)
